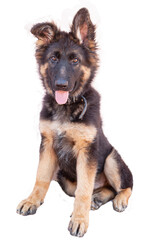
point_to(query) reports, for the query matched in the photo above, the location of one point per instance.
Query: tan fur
(70, 187)
(46, 169)
(93, 58)
(112, 172)
(40, 51)
(81, 134)
(100, 197)
(86, 74)
(39, 192)
(43, 69)
(48, 160)
(100, 181)
(36, 198)
(92, 45)
(120, 202)
(85, 184)
(99, 184)
(39, 42)
(42, 41)
(46, 39)
(104, 195)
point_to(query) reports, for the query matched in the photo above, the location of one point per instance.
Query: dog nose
(61, 83)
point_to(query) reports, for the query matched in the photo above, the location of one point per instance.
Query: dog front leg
(46, 169)
(85, 183)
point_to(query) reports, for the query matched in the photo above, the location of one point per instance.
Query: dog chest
(80, 133)
(68, 139)
(70, 135)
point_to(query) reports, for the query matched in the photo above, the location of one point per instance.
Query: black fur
(59, 49)
(125, 174)
(74, 150)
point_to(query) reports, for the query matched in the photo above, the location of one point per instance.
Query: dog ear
(82, 27)
(45, 32)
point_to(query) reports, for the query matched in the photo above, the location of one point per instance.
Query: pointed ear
(82, 27)
(45, 32)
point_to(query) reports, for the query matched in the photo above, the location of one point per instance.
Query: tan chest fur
(81, 134)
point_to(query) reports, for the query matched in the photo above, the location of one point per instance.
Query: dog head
(67, 61)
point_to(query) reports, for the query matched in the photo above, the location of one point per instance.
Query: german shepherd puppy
(74, 150)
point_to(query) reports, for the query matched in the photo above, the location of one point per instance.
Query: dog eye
(54, 59)
(75, 60)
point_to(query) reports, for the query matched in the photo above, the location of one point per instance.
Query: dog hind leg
(67, 186)
(120, 178)
(101, 196)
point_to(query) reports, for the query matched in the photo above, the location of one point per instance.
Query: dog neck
(79, 99)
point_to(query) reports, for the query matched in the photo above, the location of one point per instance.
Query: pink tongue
(61, 96)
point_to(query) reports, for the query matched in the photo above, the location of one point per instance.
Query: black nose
(61, 83)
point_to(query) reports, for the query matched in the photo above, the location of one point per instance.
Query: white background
(128, 33)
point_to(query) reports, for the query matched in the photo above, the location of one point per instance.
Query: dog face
(67, 61)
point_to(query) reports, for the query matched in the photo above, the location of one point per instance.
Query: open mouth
(61, 96)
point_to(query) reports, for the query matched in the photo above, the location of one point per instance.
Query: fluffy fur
(74, 150)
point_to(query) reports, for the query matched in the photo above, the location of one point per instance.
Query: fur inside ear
(45, 32)
(82, 27)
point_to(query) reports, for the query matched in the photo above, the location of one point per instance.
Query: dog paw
(96, 204)
(26, 208)
(78, 226)
(119, 203)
